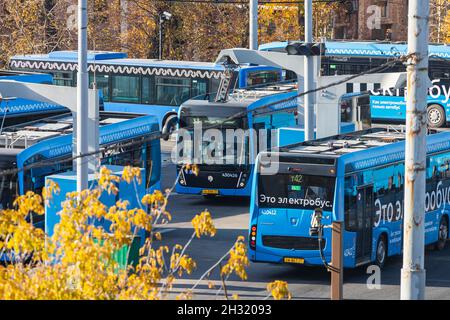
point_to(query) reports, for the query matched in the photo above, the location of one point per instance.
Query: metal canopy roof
(24, 135)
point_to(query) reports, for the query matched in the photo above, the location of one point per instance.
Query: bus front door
(364, 226)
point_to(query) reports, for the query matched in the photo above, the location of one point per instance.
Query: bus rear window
(296, 191)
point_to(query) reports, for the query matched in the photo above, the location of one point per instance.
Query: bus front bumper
(245, 192)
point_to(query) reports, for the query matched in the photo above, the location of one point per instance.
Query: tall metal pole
(253, 25)
(123, 23)
(160, 37)
(309, 79)
(413, 272)
(82, 98)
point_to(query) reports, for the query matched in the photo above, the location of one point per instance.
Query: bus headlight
(242, 180)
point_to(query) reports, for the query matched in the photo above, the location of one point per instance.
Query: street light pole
(82, 99)
(253, 25)
(163, 16)
(308, 76)
(160, 37)
(413, 272)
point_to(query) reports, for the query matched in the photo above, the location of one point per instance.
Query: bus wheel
(381, 253)
(435, 116)
(169, 126)
(443, 234)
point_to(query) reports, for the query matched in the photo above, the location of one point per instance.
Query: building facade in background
(372, 20)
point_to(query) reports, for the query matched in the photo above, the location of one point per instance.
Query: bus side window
(65, 79)
(102, 82)
(436, 174)
(350, 210)
(447, 171)
(148, 89)
(172, 91)
(214, 85)
(199, 87)
(399, 181)
(125, 89)
(390, 182)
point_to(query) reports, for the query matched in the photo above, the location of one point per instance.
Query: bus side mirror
(169, 127)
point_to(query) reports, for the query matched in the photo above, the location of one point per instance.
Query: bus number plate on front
(210, 192)
(294, 260)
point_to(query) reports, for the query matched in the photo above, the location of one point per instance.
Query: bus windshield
(296, 191)
(230, 148)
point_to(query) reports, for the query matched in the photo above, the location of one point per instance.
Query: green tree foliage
(439, 24)
(447, 27)
(196, 31)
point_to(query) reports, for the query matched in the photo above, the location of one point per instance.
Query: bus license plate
(294, 260)
(210, 192)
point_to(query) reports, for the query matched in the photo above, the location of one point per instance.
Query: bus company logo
(229, 175)
(350, 252)
(269, 212)
(210, 178)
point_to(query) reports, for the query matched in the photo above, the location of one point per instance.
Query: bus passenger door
(364, 205)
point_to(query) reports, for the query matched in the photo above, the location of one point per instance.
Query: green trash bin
(120, 256)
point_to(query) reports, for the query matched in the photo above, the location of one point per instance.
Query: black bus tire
(169, 125)
(435, 116)
(381, 252)
(443, 234)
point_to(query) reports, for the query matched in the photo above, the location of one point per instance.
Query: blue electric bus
(250, 121)
(357, 178)
(353, 57)
(390, 106)
(14, 110)
(125, 139)
(156, 87)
